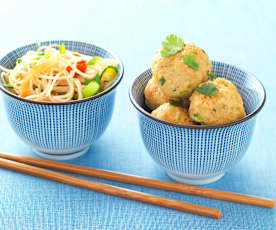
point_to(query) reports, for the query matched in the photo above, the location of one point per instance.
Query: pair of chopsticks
(27, 165)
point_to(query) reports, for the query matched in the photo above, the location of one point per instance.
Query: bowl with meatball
(196, 116)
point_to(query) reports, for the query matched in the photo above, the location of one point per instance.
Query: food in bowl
(181, 71)
(61, 130)
(174, 113)
(224, 106)
(200, 154)
(54, 73)
(154, 97)
(179, 67)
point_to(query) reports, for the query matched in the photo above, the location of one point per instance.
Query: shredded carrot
(25, 89)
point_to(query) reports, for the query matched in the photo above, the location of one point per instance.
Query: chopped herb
(41, 54)
(208, 89)
(174, 89)
(36, 58)
(8, 86)
(183, 93)
(190, 60)
(93, 60)
(172, 46)
(87, 81)
(97, 78)
(212, 76)
(214, 109)
(19, 60)
(62, 48)
(162, 81)
(198, 117)
(174, 103)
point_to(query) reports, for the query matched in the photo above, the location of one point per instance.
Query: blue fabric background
(238, 32)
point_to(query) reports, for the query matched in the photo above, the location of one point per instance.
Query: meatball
(154, 97)
(223, 107)
(177, 79)
(173, 114)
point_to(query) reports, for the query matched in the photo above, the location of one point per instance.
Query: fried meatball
(223, 107)
(177, 79)
(173, 114)
(154, 96)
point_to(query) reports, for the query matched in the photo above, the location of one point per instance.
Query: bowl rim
(247, 117)
(113, 86)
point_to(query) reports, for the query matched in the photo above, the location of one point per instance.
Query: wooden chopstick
(154, 183)
(113, 190)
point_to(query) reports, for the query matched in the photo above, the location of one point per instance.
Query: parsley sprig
(174, 103)
(208, 89)
(190, 60)
(212, 76)
(172, 46)
(162, 81)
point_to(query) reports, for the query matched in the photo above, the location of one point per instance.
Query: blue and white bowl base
(61, 156)
(194, 179)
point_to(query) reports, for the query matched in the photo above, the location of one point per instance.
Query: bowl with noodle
(59, 95)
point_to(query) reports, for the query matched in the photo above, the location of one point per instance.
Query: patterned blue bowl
(57, 130)
(200, 154)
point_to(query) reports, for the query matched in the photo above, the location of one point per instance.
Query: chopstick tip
(219, 214)
(273, 204)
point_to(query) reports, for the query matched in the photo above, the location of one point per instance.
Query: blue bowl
(200, 154)
(57, 130)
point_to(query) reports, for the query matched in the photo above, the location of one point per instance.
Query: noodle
(49, 74)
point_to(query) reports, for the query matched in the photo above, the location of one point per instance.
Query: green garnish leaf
(198, 117)
(19, 60)
(212, 76)
(162, 81)
(172, 46)
(214, 109)
(97, 78)
(41, 54)
(174, 103)
(190, 60)
(91, 89)
(184, 93)
(93, 60)
(8, 86)
(87, 81)
(62, 48)
(208, 89)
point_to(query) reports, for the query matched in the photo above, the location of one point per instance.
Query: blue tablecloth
(240, 33)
